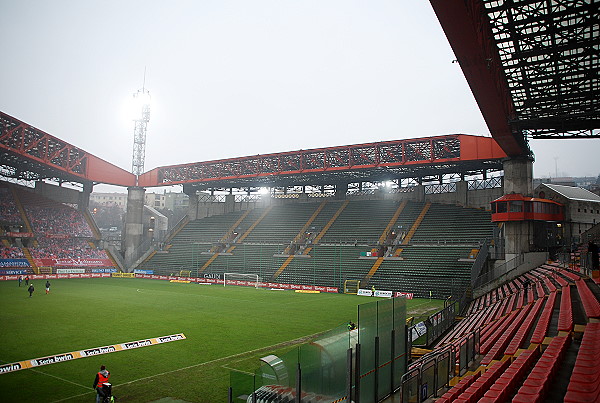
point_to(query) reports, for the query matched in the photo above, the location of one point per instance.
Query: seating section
(339, 252)
(58, 232)
(446, 223)
(589, 301)
(9, 212)
(585, 379)
(49, 248)
(525, 337)
(11, 252)
(536, 385)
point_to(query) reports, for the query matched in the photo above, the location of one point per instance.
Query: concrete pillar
(134, 228)
(340, 191)
(518, 175)
(462, 195)
(229, 203)
(84, 197)
(518, 178)
(193, 207)
(518, 237)
(420, 193)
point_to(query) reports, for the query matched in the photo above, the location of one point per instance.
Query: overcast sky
(237, 78)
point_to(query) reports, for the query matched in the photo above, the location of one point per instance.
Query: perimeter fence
(364, 364)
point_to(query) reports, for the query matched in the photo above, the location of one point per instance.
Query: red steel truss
(31, 154)
(345, 164)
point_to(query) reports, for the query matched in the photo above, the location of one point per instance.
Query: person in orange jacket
(101, 378)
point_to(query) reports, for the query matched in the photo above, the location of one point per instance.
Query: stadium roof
(532, 65)
(573, 193)
(27, 153)
(370, 162)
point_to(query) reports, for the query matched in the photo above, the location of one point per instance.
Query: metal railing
(435, 325)
(440, 188)
(431, 374)
(491, 183)
(501, 270)
(480, 261)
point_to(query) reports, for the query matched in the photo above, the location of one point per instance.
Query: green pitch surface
(226, 328)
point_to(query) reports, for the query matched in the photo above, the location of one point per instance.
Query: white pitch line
(203, 363)
(57, 377)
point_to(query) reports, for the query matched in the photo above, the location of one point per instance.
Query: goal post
(248, 279)
(351, 286)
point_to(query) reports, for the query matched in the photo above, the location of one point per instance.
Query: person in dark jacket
(47, 286)
(31, 290)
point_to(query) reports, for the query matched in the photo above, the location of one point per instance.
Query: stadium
(421, 269)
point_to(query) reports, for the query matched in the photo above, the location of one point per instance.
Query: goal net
(351, 286)
(243, 279)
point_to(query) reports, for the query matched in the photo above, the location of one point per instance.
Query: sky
(236, 78)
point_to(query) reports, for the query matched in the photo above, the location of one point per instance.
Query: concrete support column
(193, 207)
(518, 175)
(462, 189)
(340, 191)
(84, 197)
(518, 237)
(518, 178)
(134, 228)
(420, 193)
(229, 203)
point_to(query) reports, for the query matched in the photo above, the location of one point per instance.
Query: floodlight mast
(142, 110)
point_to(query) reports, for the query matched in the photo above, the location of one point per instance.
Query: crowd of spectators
(57, 221)
(11, 252)
(50, 248)
(9, 212)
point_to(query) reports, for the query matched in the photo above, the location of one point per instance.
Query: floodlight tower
(134, 229)
(141, 119)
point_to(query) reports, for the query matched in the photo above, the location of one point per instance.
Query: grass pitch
(227, 328)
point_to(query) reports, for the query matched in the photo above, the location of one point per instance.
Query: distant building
(110, 199)
(582, 208)
(581, 181)
(176, 201)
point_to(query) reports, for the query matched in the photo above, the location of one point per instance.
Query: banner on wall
(51, 276)
(74, 262)
(68, 271)
(12, 272)
(14, 263)
(203, 280)
(20, 234)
